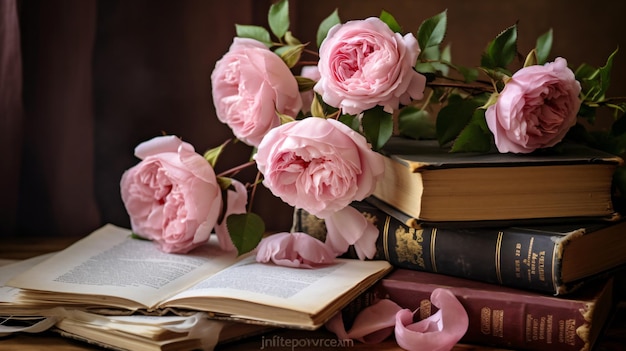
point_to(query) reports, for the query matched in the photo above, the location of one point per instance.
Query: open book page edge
(112, 241)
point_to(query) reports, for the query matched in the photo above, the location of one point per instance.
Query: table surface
(613, 339)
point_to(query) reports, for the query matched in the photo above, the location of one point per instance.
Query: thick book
(505, 317)
(432, 184)
(553, 259)
(109, 270)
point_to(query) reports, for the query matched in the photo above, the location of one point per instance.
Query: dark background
(82, 82)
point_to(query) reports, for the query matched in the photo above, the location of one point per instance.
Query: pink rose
(312, 73)
(172, 195)
(318, 164)
(535, 109)
(250, 84)
(363, 63)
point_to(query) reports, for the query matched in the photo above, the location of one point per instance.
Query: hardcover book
(432, 184)
(553, 259)
(505, 317)
(109, 271)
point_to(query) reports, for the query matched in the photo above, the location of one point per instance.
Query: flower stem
(236, 169)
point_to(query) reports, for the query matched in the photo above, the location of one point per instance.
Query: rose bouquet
(316, 119)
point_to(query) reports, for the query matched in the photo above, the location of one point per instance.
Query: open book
(109, 270)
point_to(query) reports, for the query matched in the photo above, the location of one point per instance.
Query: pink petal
(372, 325)
(439, 332)
(158, 145)
(349, 227)
(236, 204)
(294, 250)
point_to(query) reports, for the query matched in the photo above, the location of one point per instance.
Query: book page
(297, 289)
(8, 294)
(110, 263)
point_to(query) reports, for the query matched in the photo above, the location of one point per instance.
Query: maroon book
(510, 318)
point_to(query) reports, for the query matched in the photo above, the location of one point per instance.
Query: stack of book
(528, 243)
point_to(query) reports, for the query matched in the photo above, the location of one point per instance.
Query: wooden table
(614, 338)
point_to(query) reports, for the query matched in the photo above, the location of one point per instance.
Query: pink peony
(363, 63)
(535, 109)
(250, 84)
(172, 195)
(320, 165)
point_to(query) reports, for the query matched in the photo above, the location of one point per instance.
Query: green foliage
(254, 32)
(212, 155)
(432, 31)
(224, 182)
(475, 137)
(325, 25)
(543, 47)
(501, 51)
(416, 123)
(305, 84)
(246, 231)
(377, 126)
(390, 21)
(454, 117)
(278, 18)
(290, 54)
(351, 121)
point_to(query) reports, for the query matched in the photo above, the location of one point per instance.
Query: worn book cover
(432, 184)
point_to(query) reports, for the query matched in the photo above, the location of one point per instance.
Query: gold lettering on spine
(409, 246)
(485, 320)
(498, 323)
(433, 237)
(570, 332)
(498, 256)
(529, 325)
(386, 237)
(542, 266)
(549, 329)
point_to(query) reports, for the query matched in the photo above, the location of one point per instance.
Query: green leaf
(212, 155)
(531, 58)
(416, 123)
(326, 25)
(351, 121)
(246, 231)
(475, 137)
(304, 83)
(501, 51)
(543, 47)
(377, 126)
(390, 21)
(432, 31)
(278, 18)
(605, 75)
(224, 182)
(290, 54)
(254, 32)
(291, 40)
(136, 236)
(454, 117)
(470, 74)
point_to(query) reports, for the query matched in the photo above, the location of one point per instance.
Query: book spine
(505, 320)
(511, 257)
